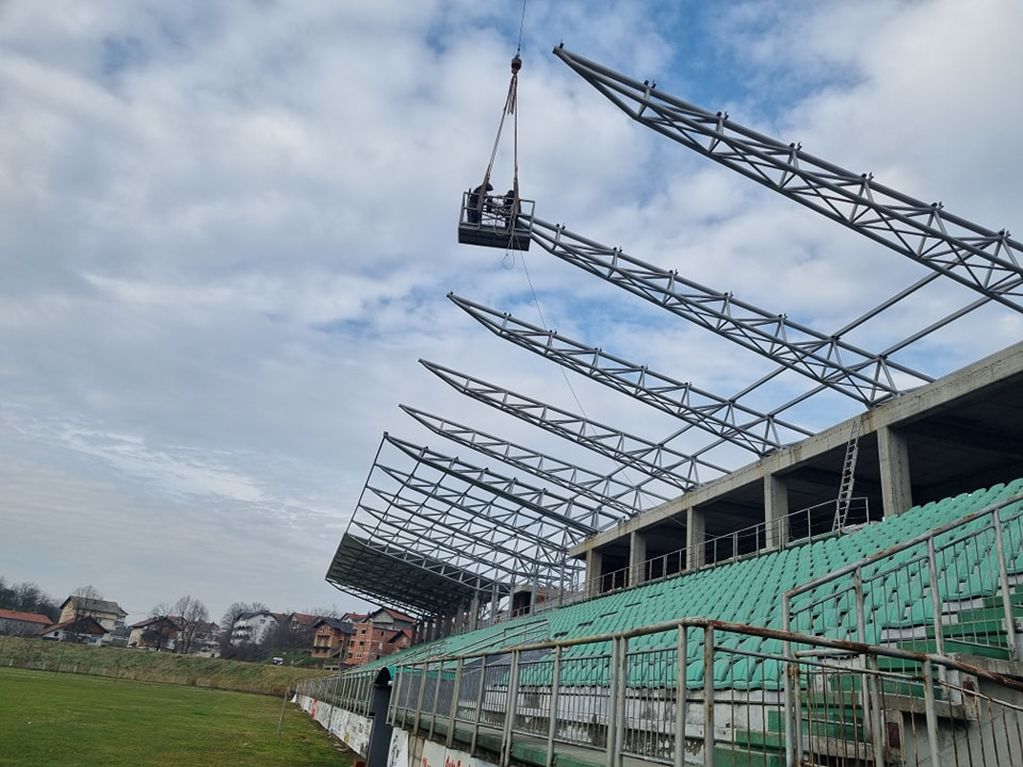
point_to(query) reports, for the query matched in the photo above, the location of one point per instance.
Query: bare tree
(235, 610)
(162, 628)
(327, 612)
(227, 649)
(27, 597)
(193, 617)
(86, 601)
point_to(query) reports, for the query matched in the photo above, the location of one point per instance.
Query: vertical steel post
(868, 682)
(622, 698)
(791, 711)
(436, 696)
(419, 698)
(392, 710)
(612, 705)
(929, 708)
(552, 714)
(510, 705)
(680, 697)
(708, 696)
(453, 708)
(479, 705)
(1003, 577)
(932, 568)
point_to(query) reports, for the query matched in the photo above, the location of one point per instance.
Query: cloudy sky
(227, 233)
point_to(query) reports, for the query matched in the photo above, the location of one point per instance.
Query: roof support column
(696, 535)
(637, 558)
(776, 510)
(594, 569)
(896, 487)
(474, 612)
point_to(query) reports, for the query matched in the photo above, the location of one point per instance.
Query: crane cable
(508, 109)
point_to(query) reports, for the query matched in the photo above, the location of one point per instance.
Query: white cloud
(229, 231)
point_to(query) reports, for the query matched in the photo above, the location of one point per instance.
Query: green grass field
(86, 721)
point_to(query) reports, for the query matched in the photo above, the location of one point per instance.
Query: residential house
(331, 639)
(171, 633)
(400, 640)
(373, 634)
(255, 627)
(207, 640)
(108, 614)
(14, 623)
(159, 633)
(300, 622)
(82, 630)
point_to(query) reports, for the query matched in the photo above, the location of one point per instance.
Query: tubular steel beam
(730, 420)
(654, 459)
(827, 359)
(987, 261)
(492, 521)
(606, 490)
(478, 534)
(542, 502)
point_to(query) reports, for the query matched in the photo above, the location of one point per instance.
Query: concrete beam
(997, 368)
(893, 455)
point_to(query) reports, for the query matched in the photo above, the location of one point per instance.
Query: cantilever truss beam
(865, 376)
(419, 584)
(606, 490)
(469, 529)
(724, 418)
(989, 262)
(657, 460)
(539, 503)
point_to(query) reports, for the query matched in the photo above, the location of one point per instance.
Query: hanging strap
(509, 109)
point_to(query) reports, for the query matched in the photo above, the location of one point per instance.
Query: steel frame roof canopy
(401, 578)
(440, 517)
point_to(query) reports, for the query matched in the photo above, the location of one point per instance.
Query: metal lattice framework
(724, 418)
(445, 531)
(539, 505)
(377, 569)
(865, 376)
(655, 459)
(986, 261)
(605, 489)
(464, 530)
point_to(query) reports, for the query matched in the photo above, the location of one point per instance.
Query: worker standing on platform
(476, 203)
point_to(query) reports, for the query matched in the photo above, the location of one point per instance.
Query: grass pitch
(83, 721)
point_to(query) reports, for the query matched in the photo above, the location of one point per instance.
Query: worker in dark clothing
(474, 206)
(508, 208)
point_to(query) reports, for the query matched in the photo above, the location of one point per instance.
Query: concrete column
(696, 534)
(776, 508)
(637, 558)
(474, 612)
(893, 454)
(594, 565)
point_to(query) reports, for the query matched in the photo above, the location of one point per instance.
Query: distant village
(247, 631)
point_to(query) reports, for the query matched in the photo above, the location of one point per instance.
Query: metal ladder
(845, 488)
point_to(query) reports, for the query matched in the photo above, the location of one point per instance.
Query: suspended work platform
(493, 221)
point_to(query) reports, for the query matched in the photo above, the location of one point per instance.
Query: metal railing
(699, 691)
(809, 524)
(947, 590)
